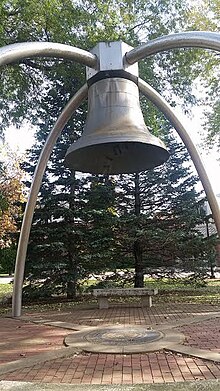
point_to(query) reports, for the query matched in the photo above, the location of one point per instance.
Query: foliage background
(87, 224)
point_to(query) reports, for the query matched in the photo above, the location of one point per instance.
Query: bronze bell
(115, 139)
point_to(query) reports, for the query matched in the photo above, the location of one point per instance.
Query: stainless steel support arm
(192, 39)
(67, 112)
(14, 53)
(18, 51)
(167, 110)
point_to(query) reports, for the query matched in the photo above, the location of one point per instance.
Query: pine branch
(34, 65)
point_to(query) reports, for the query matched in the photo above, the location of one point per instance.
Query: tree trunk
(137, 248)
(71, 289)
(212, 262)
(137, 202)
(139, 267)
(212, 273)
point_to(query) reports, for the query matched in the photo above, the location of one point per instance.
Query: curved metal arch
(65, 115)
(15, 52)
(167, 110)
(11, 54)
(18, 51)
(164, 107)
(192, 39)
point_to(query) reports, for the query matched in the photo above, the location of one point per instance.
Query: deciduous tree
(11, 197)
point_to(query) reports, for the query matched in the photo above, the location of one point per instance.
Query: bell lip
(87, 167)
(83, 143)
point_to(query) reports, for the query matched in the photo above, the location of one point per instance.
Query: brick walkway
(20, 340)
(158, 314)
(90, 368)
(23, 340)
(205, 335)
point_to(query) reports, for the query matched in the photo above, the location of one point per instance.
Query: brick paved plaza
(32, 348)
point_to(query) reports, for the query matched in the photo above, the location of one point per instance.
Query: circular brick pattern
(118, 336)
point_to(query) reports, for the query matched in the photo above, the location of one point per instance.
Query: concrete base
(209, 385)
(103, 303)
(146, 301)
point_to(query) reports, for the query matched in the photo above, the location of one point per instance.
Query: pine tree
(59, 240)
(55, 253)
(162, 209)
(100, 218)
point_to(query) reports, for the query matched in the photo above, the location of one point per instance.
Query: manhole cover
(123, 336)
(123, 339)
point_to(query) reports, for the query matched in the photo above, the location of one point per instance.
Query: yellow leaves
(112, 211)
(204, 15)
(11, 197)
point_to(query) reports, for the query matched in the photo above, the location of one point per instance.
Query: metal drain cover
(118, 336)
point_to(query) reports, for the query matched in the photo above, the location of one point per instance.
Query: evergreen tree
(58, 240)
(56, 249)
(100, 218)
(162, 213)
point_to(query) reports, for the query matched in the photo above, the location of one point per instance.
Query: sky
(20, 139)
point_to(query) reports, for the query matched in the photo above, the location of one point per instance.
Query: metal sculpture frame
(17, 52)
(65, 115)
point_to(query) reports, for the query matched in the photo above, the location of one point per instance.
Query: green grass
(5, 289)
(213, 283)
(178, 291)
(169, 291)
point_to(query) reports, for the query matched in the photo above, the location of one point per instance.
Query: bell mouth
(115, 157)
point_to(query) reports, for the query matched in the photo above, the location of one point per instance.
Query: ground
(32, 347)
(69, 344)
